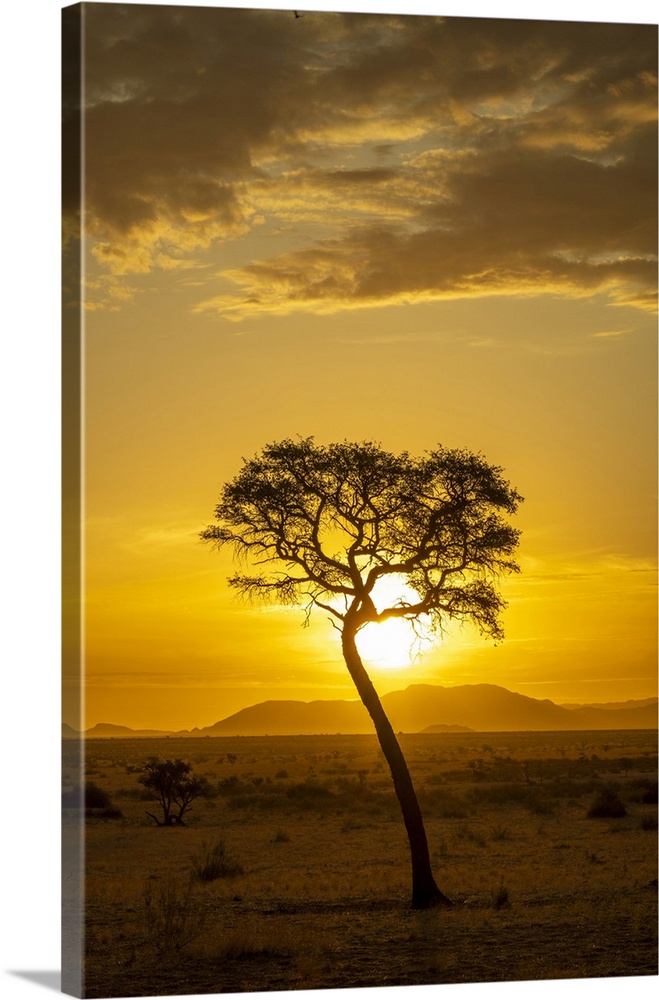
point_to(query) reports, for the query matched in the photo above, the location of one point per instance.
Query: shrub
(649, 823)
(649, 797)
(309, 794)
(170, 918)
(95, 801)
(95, 797)
(212, 862)
(500, 897)
(642, 790)
(281, 837)
(607, 805)
(230, 786)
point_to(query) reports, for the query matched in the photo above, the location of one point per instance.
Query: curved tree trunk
(425, 892)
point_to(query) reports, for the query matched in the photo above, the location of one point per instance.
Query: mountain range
(420, 707)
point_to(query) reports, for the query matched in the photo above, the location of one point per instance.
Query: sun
(394, 643)
(388, 646)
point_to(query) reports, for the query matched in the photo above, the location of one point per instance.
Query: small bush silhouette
(644, 791)
(500, 897)
(230, 786)
(607, 805)
(95, 797)
(171, 920)
(95, 801)
(212, 862)
(649, 797)
(281, 837)
(309, 792)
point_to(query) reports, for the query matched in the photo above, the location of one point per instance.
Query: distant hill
(608, 705)
(280, 718)
(419, 708)
(68, 732)
(107, 730)
(490, 708)
(442, 728)
(479, 707)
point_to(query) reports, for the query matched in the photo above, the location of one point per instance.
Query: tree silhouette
(174, 787)
(322, 525)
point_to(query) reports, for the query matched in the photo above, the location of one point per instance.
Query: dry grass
(542, 891)
(211, 862)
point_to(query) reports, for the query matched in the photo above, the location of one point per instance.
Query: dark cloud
(519, 155)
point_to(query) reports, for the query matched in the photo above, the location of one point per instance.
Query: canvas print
(360, 386)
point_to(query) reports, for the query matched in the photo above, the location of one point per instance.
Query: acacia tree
(322, 525)
(173, 786)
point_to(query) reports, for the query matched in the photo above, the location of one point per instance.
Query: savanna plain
(294, 873)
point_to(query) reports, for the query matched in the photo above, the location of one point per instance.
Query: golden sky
(415, 230)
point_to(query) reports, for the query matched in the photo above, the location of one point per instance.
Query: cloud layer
(399, 158)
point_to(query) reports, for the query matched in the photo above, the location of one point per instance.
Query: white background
(29, 492)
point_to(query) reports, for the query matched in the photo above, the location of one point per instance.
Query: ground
(320, 884)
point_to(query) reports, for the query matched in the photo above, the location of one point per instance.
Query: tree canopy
(173, 786)
(323, 524)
